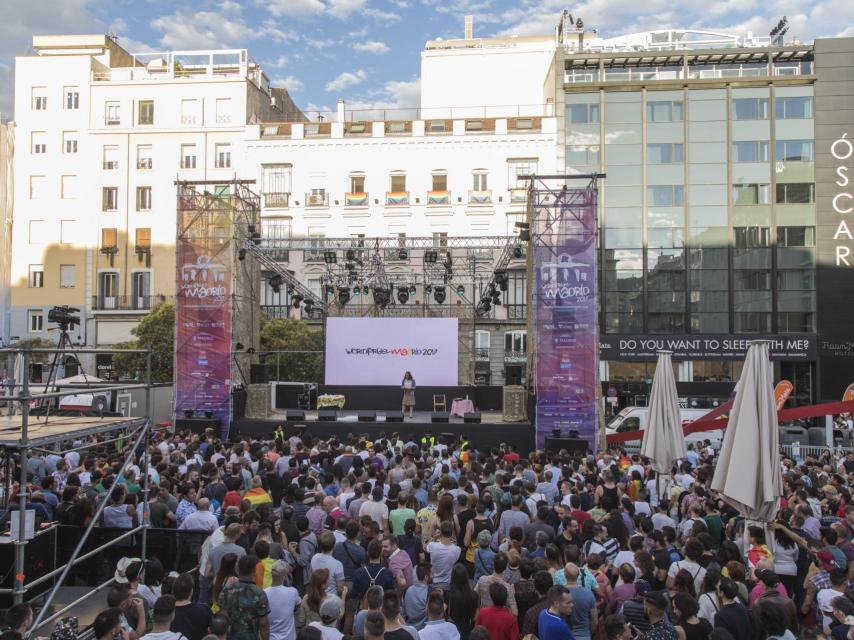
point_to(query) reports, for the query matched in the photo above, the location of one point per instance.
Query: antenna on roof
(469, 21)
(113, 36)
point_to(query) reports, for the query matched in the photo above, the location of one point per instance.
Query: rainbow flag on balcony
(397, 198)
(355, 199)
(438, 197)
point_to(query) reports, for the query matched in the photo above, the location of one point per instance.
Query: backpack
(372, 580)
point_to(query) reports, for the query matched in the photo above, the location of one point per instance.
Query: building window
(108, 290)
(793, 108)
(109, 239)
(69, 141)
(112, 115)
(582, 113)
(38, 142)
(440, 239)
(143, 239)
(795, 151)
(67, 231)
(144, 158)
(664, 111)
(35, 320)
(188, 156)
(111, 158)
(39, 102)
(436, 126)
(481, 344)
(664, 153)
(747, 194)
(36, 276)
(795, 236)
(751, 237)
(222, 156)
(750, 109)
(141, 289)
(67, 276)
(439, 181)
(398, 182)
(223, 110)
(145, 112)
(515, 342)
(750, 151)
(666, 195)
(69, 187)
(37, 232)
(580, 156)
(357, 183)
(190, 111)
(72, 97)
(479, 180)
(143, 198)
(520, 167)
(795, 193)
(109, 198)
(38, 187)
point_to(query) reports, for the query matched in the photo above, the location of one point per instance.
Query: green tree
(156, 331)
(292, 336)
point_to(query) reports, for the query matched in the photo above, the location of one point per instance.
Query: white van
(635, 419)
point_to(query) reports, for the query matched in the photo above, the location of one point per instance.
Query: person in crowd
(190, 619)
(415, 597)
(283, 602)
(394, 627)
(244, 604)
(436, 627)
(660, 627)
(498, 620)
(463, 601)
(371, 603)
(163, 614)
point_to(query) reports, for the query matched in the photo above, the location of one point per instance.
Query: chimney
(340, 110)
(469, 27)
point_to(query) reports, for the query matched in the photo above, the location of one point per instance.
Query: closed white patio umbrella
(747, 474)
(663, 440)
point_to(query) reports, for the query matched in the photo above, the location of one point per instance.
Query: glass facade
(708, 208)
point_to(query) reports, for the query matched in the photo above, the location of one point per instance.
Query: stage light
(251, 229)
(430, 257)
(308, 305)
(238, 346)
(402, 295)
(351, 255)
(382, 297)
(330, 257)
(241, 255)
(365, 290)
(330, 290)
(413, 291)
(461, 290)
(483, 307)
(275, 283)
(501, 279)
(296, 300)
(522, 225)
(525, 235)
(357, 291)
(343, 295)
(517, 251)
(290, 289)
(428, 289)
(439, 294)
(402, 255)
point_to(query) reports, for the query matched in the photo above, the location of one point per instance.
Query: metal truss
(288, 278)
(303, 243)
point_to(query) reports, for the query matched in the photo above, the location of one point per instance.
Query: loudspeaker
(259, 374)
(327, 415)
(394, 416)
(367, 416)
(440, 416)
(575, 446)
(472, 417)
(292, 415)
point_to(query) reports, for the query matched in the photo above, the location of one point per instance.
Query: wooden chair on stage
(440, 403)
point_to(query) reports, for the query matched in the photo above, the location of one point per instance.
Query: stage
(490, 432)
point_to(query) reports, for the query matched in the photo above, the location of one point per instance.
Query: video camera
(64, 317)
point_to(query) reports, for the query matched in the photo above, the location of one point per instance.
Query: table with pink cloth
(461, 406)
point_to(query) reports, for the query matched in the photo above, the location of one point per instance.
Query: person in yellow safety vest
(279, 433)
(428, 438)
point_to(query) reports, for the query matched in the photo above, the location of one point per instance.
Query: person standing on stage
(408, 386)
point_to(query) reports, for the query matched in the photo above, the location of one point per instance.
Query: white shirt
(377, 511)
(697, 572)
(439, 630)
(327, 633)
(213, 540)
(200, 521)
(283, 601)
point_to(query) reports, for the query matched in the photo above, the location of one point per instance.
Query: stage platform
(59, 428)
(490, 432)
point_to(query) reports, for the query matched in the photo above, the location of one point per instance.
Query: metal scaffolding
(36, 434)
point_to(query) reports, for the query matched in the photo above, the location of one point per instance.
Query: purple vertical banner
(203, 305)
(564, 238)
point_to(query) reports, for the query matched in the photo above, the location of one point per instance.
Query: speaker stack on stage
(292, 415)
(327, 415)
(440, 416)
(472, 417)
(394, 416)
(367, 416)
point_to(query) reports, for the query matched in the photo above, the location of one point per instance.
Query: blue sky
(368, 51)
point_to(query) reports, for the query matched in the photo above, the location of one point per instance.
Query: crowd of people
(405, 538)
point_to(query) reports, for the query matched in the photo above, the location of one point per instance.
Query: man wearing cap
(655, 604)
(245, 605)
(767, 580)
(162, 616)
(330, 611)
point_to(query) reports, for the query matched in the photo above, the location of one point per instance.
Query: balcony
(513, 355)
(128, 303)
(317, 199)
(276, 200)
(356, 199)
(144, 163)
(396, 198)
(481, 354)
(480, 197)
(111, 165)
(438, 198)
(517, 311)
(518, 196)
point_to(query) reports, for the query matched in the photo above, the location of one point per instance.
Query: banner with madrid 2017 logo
(203, 313)
(564, 240)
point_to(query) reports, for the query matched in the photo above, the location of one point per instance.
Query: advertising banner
(378, 351)
(564, 238)
(705, 346)
(203, 312)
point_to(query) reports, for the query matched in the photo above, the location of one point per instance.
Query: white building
(101, 137)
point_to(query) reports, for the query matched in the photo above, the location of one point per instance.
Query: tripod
(63, 345)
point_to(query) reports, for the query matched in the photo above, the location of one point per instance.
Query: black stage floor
(489, 433)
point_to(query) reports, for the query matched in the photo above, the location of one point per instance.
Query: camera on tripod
(64, 317)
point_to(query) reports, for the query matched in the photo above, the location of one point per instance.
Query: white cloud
(279, 63)
(383, 17)
(319, 43)
(269, 29)
(371, 46)
(343, 8)
(346, 79)
(291, 83)
(403, 96)
(201, 30)
(229, 6)
(293, 8)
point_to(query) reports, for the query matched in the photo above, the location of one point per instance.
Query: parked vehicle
(635, 419)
